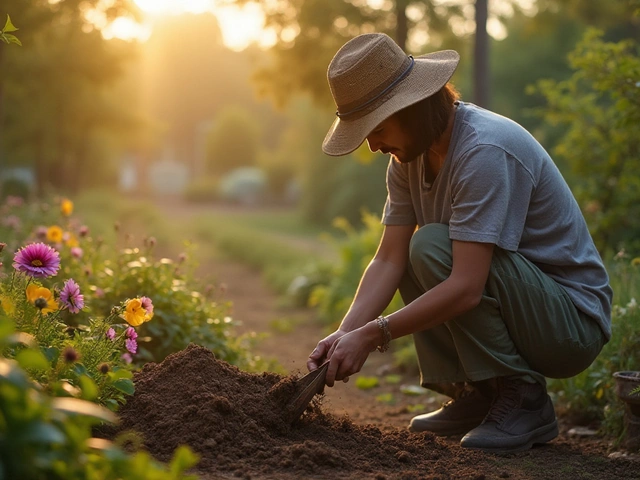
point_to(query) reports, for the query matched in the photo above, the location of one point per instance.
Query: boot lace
(508, 399)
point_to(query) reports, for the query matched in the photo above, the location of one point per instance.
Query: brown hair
(428, 119)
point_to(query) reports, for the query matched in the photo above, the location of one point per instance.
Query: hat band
(370, 101)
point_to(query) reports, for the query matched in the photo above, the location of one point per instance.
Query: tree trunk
(481, 56)
(402, 24)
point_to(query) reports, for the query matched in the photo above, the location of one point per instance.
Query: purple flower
(126, 357)
(71, 297)
(111, 334)
(38, 260)
(131, 333)
(147, 304)
(131, 345)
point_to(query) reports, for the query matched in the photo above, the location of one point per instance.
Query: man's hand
(350, 351)
(321, 352)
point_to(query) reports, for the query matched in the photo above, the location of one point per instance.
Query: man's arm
(377, 286)
(460, 292)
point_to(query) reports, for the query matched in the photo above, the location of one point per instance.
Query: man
(501, 281)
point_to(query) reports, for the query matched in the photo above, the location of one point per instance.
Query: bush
(203, 190)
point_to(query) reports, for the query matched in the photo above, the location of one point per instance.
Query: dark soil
(236, 422)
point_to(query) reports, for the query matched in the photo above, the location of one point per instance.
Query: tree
(600, 104)
(55, 101)
(233, 141)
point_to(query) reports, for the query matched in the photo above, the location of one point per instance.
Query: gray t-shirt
(498, 185)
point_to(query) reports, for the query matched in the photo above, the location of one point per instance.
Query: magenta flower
(131, 345)
(111, 334)
(126, 357)
(71, 297)
(131, 333)
(37, 260)
(147, 304)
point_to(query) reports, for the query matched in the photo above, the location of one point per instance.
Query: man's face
(389, 137)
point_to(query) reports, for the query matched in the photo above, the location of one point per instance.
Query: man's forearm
(377, 287)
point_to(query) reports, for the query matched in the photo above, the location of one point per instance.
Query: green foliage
(232, 141)
(591, 394)
(600, 105)
(333, 296)
(7, 37)
(54, 435)
(181, 314)
(281, 257)
(13, 187)
(203, 190)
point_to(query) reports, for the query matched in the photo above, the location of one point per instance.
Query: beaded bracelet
(383, 324)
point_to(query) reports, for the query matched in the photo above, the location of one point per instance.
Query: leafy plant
(5, 34)
(600, 104)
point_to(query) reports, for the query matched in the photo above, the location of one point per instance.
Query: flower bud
(70, 355)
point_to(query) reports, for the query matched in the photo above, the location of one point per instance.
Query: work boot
(455, 417)
(521, 415)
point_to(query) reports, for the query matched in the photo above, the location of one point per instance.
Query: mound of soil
(235, 421)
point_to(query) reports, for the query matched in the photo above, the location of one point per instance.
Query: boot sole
(539, 436)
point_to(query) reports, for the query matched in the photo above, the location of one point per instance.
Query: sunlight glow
(240, 26)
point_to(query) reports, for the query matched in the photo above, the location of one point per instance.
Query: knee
(430, 252)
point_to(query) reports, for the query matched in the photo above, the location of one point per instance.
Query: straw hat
(371, 78)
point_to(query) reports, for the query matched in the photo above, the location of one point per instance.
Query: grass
(277, 244)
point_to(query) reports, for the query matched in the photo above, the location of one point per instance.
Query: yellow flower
(66, 207)
(7, 304)
(42, 298)
(135, 314)
(54, 234)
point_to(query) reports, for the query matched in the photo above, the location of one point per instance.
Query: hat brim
(430, 73)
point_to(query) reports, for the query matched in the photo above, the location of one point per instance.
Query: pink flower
(99, 293)
(131, 333)
(41, 232)
(84, 231)
(131, 345)
(71, 297)
(111, 334)
(76, 252)
(37, 260)
(147, 304)
(126, 357)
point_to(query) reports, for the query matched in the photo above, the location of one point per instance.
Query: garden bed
(234, 421)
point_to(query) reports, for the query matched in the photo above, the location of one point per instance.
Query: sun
(240, 26)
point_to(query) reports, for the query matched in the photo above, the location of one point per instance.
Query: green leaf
(8, 26)
(120, 373)
(41, 432)
(183, 459)
(75, 406)
(89, 388)
(8, 38)
(52, 354)
(367, 383)
(412, 390)
(32, 360)
(124, 385)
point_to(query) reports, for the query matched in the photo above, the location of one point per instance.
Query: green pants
(525, 324)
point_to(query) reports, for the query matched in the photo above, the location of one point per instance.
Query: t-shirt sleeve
(398, 209)
(490, 194)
